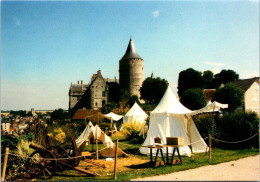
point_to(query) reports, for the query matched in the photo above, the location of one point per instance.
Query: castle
(102, 90)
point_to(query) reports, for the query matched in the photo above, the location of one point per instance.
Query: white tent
(135, 114)
(210, 107)
(114, 116)
(94, 132)
(171, 119)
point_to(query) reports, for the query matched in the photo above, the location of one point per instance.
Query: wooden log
(5, 163)
(94, 163)
(115, 177)
(78, 169)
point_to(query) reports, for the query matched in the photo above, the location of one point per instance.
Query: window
(103, 94)
(96, 103)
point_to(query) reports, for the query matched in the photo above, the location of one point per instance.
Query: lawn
(136, 165)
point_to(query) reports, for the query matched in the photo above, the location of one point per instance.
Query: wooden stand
(176, 148)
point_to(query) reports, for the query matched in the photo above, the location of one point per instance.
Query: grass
(144, 170)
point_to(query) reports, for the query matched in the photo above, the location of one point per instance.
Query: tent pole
(96, 144)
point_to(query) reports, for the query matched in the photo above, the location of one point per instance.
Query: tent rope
(236, 141)
(17, 155)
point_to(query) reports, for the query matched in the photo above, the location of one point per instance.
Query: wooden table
(176, 148)
(159, 148)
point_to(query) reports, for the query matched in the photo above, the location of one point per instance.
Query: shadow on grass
(132, 151)
(140, 166)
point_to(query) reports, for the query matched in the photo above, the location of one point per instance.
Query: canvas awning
(210, 107)
(114, 116)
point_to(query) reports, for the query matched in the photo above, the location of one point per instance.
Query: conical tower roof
(131, 51)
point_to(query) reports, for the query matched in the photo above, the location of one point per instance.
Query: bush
(236, 126)
(239, 126)
(132, 131)
(206, 125)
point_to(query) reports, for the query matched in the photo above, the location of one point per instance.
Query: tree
(224, 77)
(193, 98)
(207, 79)
(132, 101)
(189, 78)
(59, 114)
(153, 89)
(108, 107)
(229, 94)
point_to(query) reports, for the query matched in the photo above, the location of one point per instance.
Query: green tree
(193, 98)
(132, 101)
(207, 79)
(153, 89)
(189, 78)
(108, 107)
(59, 114)
(229, 94)
(224, 77)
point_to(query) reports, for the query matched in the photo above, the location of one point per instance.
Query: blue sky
(47, 45)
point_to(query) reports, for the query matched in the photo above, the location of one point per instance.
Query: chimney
(81, 84)
(99, 72)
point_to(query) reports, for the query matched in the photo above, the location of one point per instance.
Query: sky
(46, 46)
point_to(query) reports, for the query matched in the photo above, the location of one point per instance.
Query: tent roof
(93, 115)
(211, 107)
(170, 104)
(114, 116)
(136, 111)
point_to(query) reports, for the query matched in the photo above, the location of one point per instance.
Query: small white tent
(135, 114)
(211, 107)
(113, 116)
(171, 119)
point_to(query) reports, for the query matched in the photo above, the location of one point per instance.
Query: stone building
(102, 90)
(93, 95)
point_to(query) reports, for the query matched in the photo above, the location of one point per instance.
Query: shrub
(239, 126)
(132, 131)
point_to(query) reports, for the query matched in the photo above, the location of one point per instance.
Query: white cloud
(155, 13)
(16, 21)
(215, 64)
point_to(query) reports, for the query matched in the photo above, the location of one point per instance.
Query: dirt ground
(122, 164)
(246, 169)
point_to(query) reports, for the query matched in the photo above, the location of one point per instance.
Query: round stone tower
(131, 73)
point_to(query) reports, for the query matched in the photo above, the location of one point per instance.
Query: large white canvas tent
(135, 114)
(171, 119)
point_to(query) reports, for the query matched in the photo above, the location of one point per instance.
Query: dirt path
(246, 169)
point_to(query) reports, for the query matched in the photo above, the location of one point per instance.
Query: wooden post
(115, 159)
(210, 148)
(96, 144)
(5, 163)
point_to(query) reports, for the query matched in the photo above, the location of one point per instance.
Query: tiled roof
(245, 83)
(77, 88)
(93, 115)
